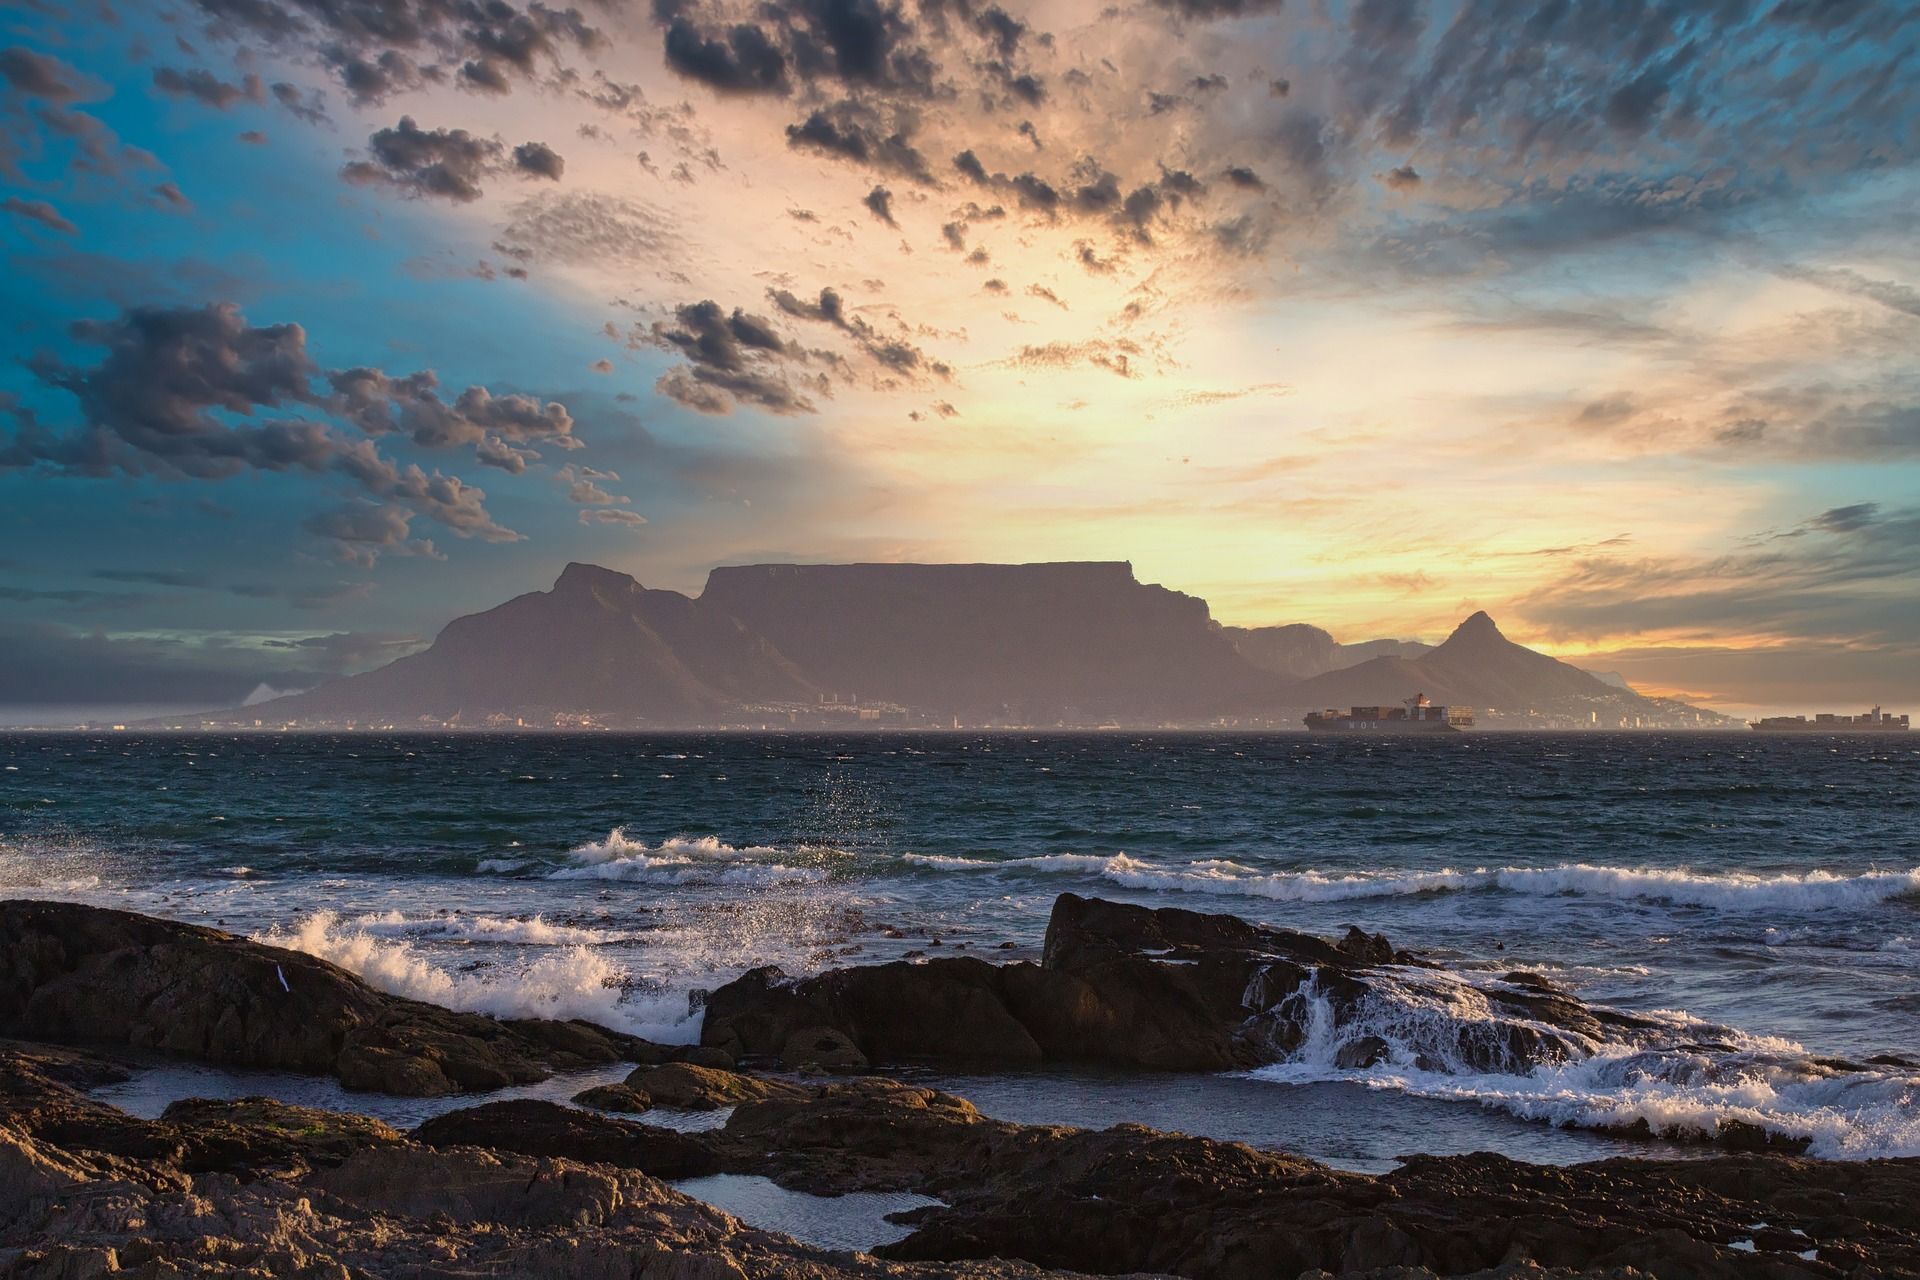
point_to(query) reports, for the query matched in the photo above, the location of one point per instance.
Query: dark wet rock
(87, 975)
(821, 1049)
(531, 1127)
(539, 1190)
(682, 1086)
(1360, 1054)
(702, 1055)
(614, 1097)
(1160, 988)
(1129, 1199)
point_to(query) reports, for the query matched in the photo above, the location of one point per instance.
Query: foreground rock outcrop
(76, 974)
(1137, 986)
(257, 1188)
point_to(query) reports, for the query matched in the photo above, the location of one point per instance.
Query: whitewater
(1756, 903)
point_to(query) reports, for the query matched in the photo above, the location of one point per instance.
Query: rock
(531, 1127)
(822, 1048)
(1357, 1055)
(1165, 988)
(256, 1133)
(87, 975)
(703, 1055)
(614, 1097)
(686, 1087)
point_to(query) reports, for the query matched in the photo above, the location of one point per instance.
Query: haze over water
(1765, 893)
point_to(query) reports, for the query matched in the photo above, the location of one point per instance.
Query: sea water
(1757, 897)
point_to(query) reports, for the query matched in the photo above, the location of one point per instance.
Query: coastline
(494, 1179)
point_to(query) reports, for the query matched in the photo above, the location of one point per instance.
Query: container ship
(1874, 721)
(1416, 715)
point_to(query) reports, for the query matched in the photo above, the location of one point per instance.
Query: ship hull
(1410, 728)
(1828, 728)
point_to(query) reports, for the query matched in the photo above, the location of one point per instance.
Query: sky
(325, 321)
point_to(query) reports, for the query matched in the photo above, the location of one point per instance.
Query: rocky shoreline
(522, 1187)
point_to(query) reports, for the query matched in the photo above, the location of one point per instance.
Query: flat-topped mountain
(926, 644)
(1039, 643)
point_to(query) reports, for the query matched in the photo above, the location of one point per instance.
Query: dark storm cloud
(446, 163)
(206, 88)
(376, 48)
(199, 393)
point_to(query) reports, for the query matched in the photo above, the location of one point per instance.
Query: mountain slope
(1479, 667)
(1299, 651)
(598, 641)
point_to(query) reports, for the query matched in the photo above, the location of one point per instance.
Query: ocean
(1759, 895)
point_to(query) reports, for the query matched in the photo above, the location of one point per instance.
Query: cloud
(879, 203)
(731, 359)
(200, 393)
(1846, 576)
(538, 160)
(39, 211)
(375, 51)
(206, 88)
(585, 228)
(612, 516)
(361, 532)
(853, 131)
(449, 164)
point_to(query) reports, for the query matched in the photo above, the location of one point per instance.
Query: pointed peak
(1480, 625)
(586, 577)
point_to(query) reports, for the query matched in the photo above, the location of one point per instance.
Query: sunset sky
(328, 320)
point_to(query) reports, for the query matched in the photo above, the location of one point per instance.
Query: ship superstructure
(1417, 714)
(1874, 721)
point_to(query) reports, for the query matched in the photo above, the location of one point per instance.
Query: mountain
(922, 644)
(1038, 643)
(1502, 681)
(598, 641)
(1299, 651)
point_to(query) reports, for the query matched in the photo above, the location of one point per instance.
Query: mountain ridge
(1052, 643)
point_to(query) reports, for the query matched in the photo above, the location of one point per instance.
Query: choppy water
(1763, 892)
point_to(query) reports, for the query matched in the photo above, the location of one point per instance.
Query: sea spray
(575, 981)
(1433, 1034)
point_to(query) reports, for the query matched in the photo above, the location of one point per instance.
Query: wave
(1813, 890)
(1425, 1033)
(574, 982)
(687, 860)
(536, 931)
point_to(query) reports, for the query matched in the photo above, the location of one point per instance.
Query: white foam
(570, 982)
(682, 860)
(1812, 890)
(1681, 1077)
(534, 930)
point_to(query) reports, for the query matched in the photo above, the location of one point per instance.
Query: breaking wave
(571, 982)
(1813, 890)
(534, 931)
(1427, 1034)
(682, 860)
